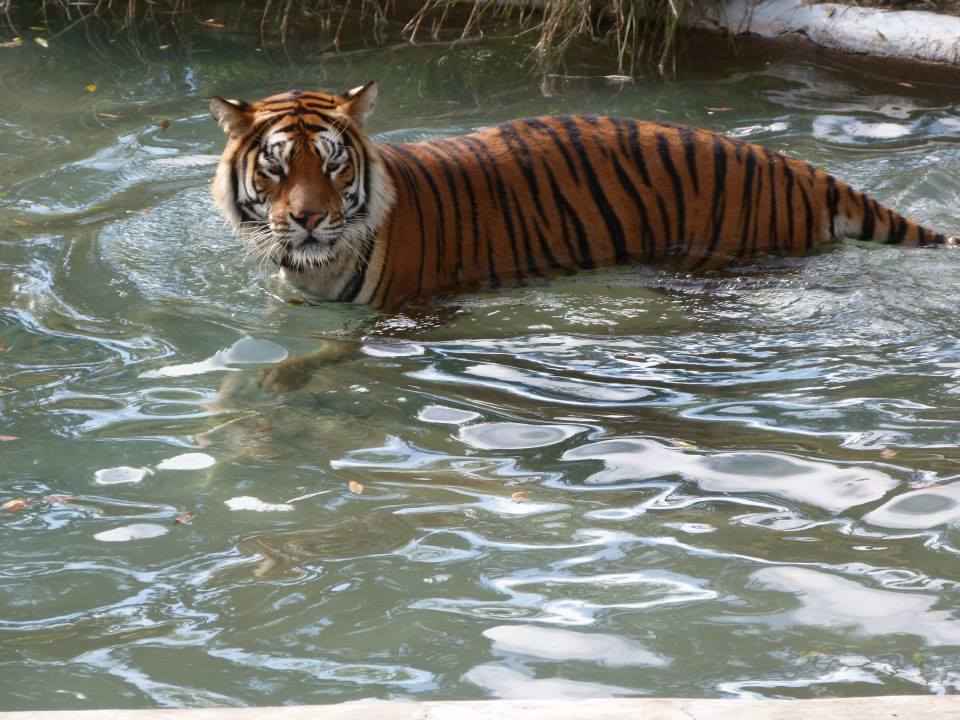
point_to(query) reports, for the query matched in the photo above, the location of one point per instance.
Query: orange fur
(533, 196)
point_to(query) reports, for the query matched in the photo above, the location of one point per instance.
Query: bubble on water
(833, 487)
(136, 531)
(120, 475)
(516, 436)
(559, 644)
(187, 461)
(919, 509)
(444, 415)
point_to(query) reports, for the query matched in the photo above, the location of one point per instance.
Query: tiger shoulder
(350, 219)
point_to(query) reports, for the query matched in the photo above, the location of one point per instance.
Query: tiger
(382, 224)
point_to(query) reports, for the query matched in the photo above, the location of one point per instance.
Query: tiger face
(299, 178)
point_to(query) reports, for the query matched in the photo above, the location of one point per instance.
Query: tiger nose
(308, 219)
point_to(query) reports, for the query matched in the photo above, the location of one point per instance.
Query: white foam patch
(248, 502)
(833, 487)
(505, 682)
(187, 461)
(122, 475)
(136, 531)
(828, 601)
(559, 644)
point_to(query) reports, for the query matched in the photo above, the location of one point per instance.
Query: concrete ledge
(904, 34)
(894, 707)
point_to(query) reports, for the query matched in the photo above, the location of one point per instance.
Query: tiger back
(353, 220)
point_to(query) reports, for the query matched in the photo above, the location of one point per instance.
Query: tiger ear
(359, 101)
(234, 116)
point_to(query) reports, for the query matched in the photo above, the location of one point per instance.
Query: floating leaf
(15, 505)
(57, 499)
(42, 42)
(109, 116)
(355, 487)
(8, 438)
(163, 47)
(888, 453)
(38, 28)
(519, 496)
(683, 444)
(164, 124)
(212, 22)
(184, 518)
(718, 109)
(90, 87)
(16, 42)
(905, 84)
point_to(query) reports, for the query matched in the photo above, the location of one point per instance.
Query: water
(627, 482)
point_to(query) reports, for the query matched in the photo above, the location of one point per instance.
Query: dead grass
(642, 31)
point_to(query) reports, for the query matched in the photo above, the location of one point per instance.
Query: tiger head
(299, 178)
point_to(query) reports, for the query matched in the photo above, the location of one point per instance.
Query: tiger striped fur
(383, 224)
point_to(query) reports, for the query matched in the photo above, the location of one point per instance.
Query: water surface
(627, 482)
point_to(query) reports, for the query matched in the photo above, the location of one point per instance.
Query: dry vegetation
(641, 30)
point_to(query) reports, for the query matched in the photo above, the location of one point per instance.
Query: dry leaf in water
(888, 453)
(16, 42)
(56, 499)
(184, 518)
(42, 42)
(15, 505)
(355, 487)
(519, 496)
(164, 124)
(90, 87)
(8, 438)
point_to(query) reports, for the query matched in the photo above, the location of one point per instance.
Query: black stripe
(808, 210)
(510, 136)
(412, 190)
(718, 205)
(833, 196)
(747, 200)
(610, 219)
(788, 173)
(690, 150)
(500, 196)
(646, 238)
(454, 198)
(867, 228)
(455, 157)
(537, 124)
(567, 213)
(663, 147)
(774, 240)
(441, 240)
(349, 291)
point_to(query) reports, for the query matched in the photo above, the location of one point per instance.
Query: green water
(726, 480)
